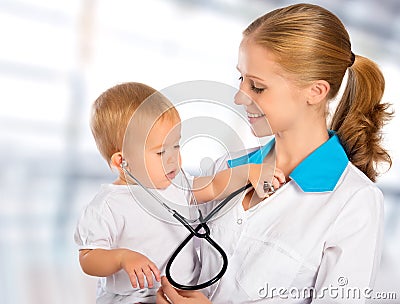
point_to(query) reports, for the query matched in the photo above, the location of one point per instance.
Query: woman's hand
(138, 266)
(167, 294)
(260, 173)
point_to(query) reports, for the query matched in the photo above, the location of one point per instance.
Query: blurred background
(57, 56)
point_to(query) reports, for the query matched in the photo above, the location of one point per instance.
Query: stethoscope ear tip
(123, 164)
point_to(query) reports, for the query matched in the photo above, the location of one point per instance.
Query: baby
(118, 240)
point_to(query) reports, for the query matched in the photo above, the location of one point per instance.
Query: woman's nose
(241, 98)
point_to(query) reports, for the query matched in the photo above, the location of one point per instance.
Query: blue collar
(318, 172)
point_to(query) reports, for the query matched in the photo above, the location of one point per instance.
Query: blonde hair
(310, 43)
(113, 109)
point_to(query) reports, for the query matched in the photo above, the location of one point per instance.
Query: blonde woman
(319, 237)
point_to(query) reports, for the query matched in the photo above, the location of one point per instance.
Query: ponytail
(360, 116)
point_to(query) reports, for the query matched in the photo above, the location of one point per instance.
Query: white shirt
(114, 219)
(321, 230)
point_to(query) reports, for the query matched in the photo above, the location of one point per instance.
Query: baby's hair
(113, 109)
(310, 43)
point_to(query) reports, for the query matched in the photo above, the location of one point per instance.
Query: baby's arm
(103, 263)
(207, 188)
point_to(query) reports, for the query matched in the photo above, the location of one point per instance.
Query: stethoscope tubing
(207, 237)
(194, 232)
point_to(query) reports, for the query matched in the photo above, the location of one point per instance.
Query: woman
(320, 235)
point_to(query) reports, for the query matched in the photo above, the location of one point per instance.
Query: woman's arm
(352, 250)
(103, 263)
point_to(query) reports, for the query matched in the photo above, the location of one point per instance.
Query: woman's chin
(261, 128)
(261, 133)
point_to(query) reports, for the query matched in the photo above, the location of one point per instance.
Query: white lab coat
(321, 231)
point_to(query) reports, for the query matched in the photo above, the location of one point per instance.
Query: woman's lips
(252, 117)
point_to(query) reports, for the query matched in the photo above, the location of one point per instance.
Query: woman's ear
(318, 92)
(116, 160)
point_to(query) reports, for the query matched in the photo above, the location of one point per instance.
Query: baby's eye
(241, 78)
(177, 146)
(160, 153)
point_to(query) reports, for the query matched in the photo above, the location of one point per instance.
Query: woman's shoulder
(357, 179)
(357, 187)
(360, 206)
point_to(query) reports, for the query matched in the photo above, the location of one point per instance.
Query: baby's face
(162, 152)
(154, 157)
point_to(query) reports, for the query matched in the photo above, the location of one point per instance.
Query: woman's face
(272, 102)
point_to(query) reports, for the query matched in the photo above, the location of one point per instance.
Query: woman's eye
(257, 90)
(177, 146)
(253, 87)
(160, 153)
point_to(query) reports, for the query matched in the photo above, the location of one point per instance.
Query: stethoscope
(201, 231)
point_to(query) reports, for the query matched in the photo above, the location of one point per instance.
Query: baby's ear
(116, 160)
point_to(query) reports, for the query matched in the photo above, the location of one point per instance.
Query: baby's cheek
(150, 168)
(180, 161)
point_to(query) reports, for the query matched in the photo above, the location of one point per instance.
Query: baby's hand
(262, 175)
(138, 266)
